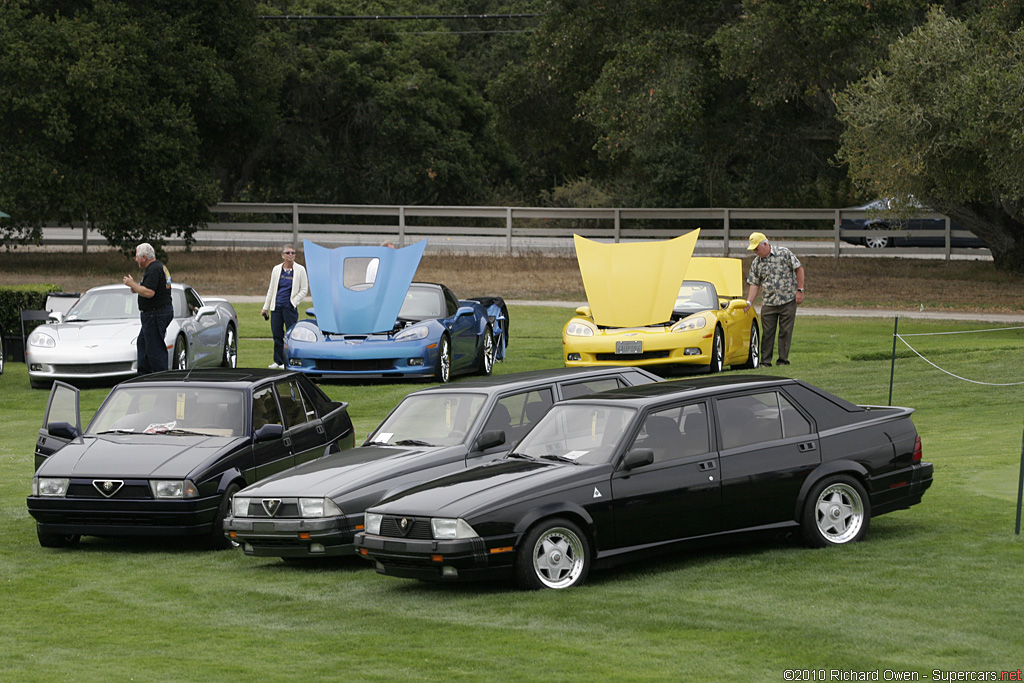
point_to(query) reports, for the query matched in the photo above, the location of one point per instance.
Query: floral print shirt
(775, 275)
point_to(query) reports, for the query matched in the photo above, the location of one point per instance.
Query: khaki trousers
(782, 317)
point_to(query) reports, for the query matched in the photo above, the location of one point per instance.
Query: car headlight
(302, 333)
(319, 507)
(371, 522)
(173, 488)
(693, 323)
(577, 329)
(50, 486)
(240, 506)
(413, 333)
(41, 339)
(448, 529)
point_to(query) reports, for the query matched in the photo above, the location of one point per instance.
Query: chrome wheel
(230, 349)
(444, 360)
(877, 242)
(718, 351)
(554, 555)
(487, 355)
(754, 355)
(180, 354)
(837, 512)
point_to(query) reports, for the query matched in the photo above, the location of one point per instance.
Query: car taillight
(917, 449)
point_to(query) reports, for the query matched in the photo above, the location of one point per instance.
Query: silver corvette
(96, 338)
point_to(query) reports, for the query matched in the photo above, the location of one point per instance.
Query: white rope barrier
(972, 381)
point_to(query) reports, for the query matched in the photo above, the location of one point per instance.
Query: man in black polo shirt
(154, 308)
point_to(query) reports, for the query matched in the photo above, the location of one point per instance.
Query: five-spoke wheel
(554, 554)
(837, 512)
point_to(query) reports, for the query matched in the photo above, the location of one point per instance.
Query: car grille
(419, 528)
(289, 509)
(367, 365)
(132, 490)
(646, 355)
(92, 369)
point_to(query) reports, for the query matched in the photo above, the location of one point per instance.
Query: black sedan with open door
(165, 452)
(612, 475)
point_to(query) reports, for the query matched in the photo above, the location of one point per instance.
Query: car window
(108, 304)
(192, 301)
(793, 422)
(590, 386)
(293, 406)
(264, 408)
(422, 303)
(441, 419)
(675, 433)
(579, 432)
(178, 303)
(695, 296)
(359, 272)
(746, 420)
(516, 413)
(156, 410)
(451, 302)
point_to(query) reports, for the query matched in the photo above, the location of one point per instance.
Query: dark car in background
(608, 476)
(315, 509)
(165, 452)
(909, 228)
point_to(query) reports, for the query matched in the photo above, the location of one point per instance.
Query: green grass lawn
(936, 587)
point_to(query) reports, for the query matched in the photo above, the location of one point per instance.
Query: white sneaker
(275, 366)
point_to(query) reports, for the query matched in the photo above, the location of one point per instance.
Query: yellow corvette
(639, 314)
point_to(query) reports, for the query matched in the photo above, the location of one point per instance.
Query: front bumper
(668, 348)
(338, 358)
(431, 560)
(265, 537)
(130, 517)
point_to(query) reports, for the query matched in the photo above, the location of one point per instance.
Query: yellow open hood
(633, 284)
(726, 274)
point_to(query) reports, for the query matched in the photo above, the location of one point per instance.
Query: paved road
(804, 310)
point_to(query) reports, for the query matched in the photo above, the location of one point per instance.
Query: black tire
(3, 353)
(754, 352)
(230, 358)
(216, 540)
(836, 512)
(505, 325)
(48, 540)
(485, 363)
(717, 351)
(554, 554)
(443, 371)
(179, 361)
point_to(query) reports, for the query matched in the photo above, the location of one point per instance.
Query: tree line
(138, 116)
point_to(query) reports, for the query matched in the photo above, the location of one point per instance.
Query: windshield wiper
(560, 458)
(184, 432)
(412, 442)
(522, 456)
(118, 431)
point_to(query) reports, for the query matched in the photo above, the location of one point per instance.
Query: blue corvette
(369, 319)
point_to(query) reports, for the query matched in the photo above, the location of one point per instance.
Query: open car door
(62, 421)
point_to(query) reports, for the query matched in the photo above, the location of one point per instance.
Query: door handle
(707, 465)
(807, 446)
(319, 429)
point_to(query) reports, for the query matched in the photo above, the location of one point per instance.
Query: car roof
(213, 376)
(529, 378)
(697, 387)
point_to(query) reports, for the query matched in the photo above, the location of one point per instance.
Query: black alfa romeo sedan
(315, 509)
(604, 477)
(165, 452)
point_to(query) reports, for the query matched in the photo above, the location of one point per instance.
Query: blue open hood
(343, 300)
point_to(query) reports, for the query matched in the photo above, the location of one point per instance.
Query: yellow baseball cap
(755, 239)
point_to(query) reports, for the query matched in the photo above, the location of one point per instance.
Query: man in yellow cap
(778, 276)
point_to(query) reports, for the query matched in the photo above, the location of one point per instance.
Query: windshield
(422, 303)
(171, 410)
(115, 304)
(429, 420)
(696, 296)
(579, 432)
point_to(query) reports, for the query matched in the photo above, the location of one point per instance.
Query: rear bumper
(900, 489)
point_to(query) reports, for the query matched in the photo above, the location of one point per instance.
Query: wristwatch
(799, 289)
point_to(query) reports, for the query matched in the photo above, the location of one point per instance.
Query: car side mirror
(489, 439)
(205, 311)
(269, 432)
(56, 316)
(737, 303)
(62, 430)
(584, 311)
(638, 457)
(463, 311)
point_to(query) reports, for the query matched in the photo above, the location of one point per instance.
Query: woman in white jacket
(288, 287)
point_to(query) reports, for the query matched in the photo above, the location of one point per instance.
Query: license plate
(263, 527)
(629, 347)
